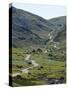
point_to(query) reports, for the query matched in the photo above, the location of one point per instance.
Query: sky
(45, 11)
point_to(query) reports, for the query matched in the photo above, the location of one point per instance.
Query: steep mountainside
(57, 43)
(29, 29)
(60, 24)
(59, 21)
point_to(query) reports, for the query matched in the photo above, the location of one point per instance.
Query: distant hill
(31, 30)
(57, 44)
(60, 23)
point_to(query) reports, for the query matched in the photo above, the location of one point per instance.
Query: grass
(51, 68)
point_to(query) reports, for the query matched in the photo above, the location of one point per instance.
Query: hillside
(57, 44)
(29, 29)
(58, 21)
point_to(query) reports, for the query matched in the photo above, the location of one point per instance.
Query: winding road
(26, 70)
(27, 56)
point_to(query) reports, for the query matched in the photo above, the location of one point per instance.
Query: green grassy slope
(48, 68)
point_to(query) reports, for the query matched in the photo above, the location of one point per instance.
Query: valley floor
(31, 67)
